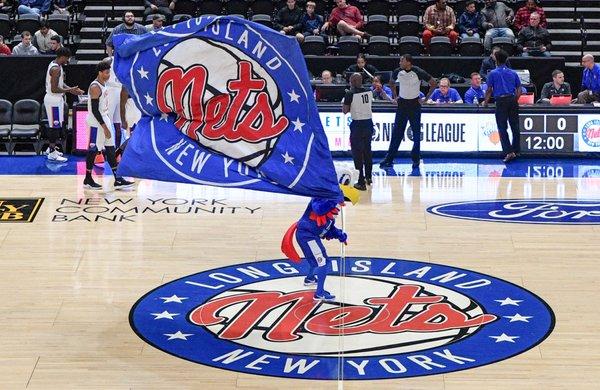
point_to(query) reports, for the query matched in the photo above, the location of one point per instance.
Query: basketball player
(102, 134)
(54, 100)
(358, 102)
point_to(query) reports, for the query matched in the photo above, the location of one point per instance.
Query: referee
(357, 102)
(409, 110)
(504, 84)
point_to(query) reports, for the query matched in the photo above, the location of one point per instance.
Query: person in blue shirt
(475, 94)
(444, 94)
(590, 82)
(380, 91)
(504, 84)
(469, 23)
(310, 23)
(36, 7)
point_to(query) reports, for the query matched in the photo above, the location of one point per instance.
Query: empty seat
(236, 7)
(26, 123)
(214, 7)
(408, 26)
(29, 23)
(379, 7)
(408, 7)
(5, 27)
(410, 45)
(348, 46)
(471, 46)
(505, 43)
(313, 45)
(181, 17)
(5, 123)
(379, 46)
(60, 24)
(262, 7)
(378, 25)
(440, 46)
(186, 7)
(265, 20)
(239, 16)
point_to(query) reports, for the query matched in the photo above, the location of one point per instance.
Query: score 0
(531, 123)
(561, 123)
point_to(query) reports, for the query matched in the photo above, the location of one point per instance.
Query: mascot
(318, 222)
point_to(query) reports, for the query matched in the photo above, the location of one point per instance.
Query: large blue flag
(224, 102)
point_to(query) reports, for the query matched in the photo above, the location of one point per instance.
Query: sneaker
(369, 181)
(56, 156)
(122, 183)
(360, 186)
(48, 151)
(324, 296)
(509, 157)
(89, 183)
(310, 282)
(386, 164)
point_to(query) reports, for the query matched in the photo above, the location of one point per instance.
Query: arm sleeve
(423, 75)
(547, 41)
(568, 87)
(468, 96)
(461, 24)
(278, 19)
(348, 98)
(545, 93)
(96, 111)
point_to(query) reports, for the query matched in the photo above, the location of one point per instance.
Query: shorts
(98, 139)
(114, 104)
(132, 114)
(55, 110)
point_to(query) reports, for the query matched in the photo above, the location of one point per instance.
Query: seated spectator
(326, 77)
(310, 23)
(129, 26)
(157, 23)
(287, 20)
(346, 19)
(25, 48)
(590, 82)
(380, 91)
(163, 7)
(4, 49)
(55, 44)
(534, 40)
(489, 63)
(475, 94)
(33, 7)
(444, 94)
(469, 23)
(439, 20)
(6, 6)
(367, 70)
(41, 39)
(61, 7)
(497, 19)
(523, 13)
(557, 86)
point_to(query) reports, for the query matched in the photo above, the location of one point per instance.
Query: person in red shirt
(347, 19)
(523, 14)
(4, 49)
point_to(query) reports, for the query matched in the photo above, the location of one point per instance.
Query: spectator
(444, 94)
(475, 94)
(55, 44)
(326, 77)
(157, 23)
(380, 91)
(163, 7)
(41, 39)
(439, 20)
(34, 7)
(25, 48)
(497, 18)
(590, 82)
(61, 7)
(489, 63)
(469, 23)
(6, 6)
(347, 19)
(287, 20)
(310, 23)
(362, 67)
(129, 26)
(523, 13)
(4, 49)
(557, 86)
(534, 40)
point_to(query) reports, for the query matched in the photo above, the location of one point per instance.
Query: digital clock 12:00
(547, 142)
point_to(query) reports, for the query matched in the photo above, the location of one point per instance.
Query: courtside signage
(393, 319)
(19, 210)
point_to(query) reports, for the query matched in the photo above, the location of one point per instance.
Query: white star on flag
(178, 335)
(287, 158)
(173, 298)
(504, 337)
(164, 117)
(148, 98)
(518, 317)
(298, 125)
(164, 314)
(294, 97)
(508, 301)
(143, 73)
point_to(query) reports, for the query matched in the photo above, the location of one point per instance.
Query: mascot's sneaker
(324, 296)
(310, 282)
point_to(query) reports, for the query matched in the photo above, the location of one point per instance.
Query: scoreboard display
(552, 133)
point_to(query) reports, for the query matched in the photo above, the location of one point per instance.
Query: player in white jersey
(54, 100)
(102, 134)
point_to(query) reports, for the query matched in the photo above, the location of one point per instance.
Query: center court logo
(394, 319)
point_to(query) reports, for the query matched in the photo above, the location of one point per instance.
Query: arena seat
(263, 19)
(26, 124)
(408, 7)
(214, 7)
(313, 45)
(5, 123)
(236, 7)
(262, 7)
(379, 46)
(379, 7)
(440, 47)
(348, 46)
(410, 45)
(408, 25)
(5, 26)
(505, 43)
(471, 46)
(60, 24)
(186, 7)
(149, 18)
(30, 22)
(181, 17)
(378, 25)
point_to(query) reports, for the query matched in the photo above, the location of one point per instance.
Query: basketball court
(72, 274)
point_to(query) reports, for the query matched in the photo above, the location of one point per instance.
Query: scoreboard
(553, 133)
